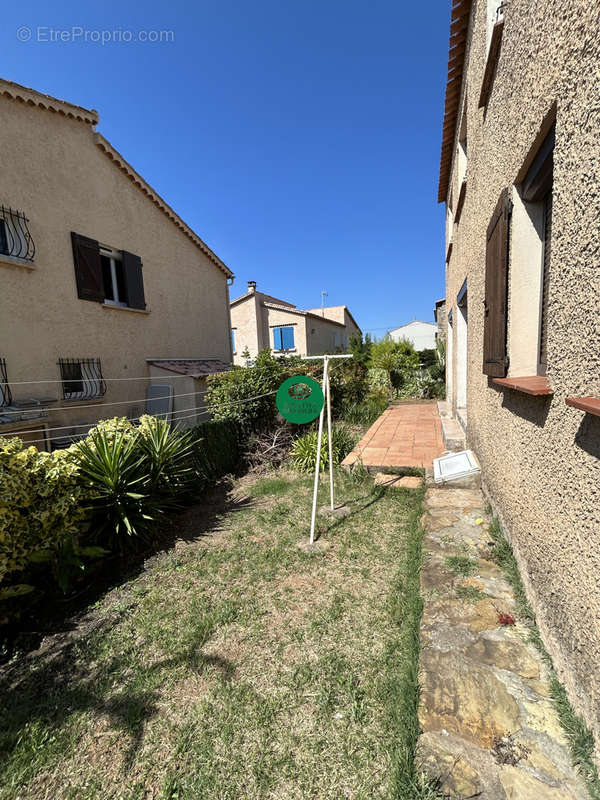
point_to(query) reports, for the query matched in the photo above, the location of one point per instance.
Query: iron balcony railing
(81, 378)
(5, 393)
(15, 239)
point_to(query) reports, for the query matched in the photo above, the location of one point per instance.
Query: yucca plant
(114, 470)
(169, 453)
(304, 449)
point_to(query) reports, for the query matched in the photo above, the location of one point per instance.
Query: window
(494, 28)
(113, 278)
(495, 361)
(106, 275)
(81, 378)
(15, 239)
(5, 393)
(532, 259)
(233, 340)
(283, 338)
(461, 166)
(521, 227)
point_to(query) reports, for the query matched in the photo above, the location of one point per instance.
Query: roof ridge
(25, 94)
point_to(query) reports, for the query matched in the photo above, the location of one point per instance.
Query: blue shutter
(287, 337)
(276, 338)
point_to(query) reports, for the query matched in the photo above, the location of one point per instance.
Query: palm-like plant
(115, 474)
(169, 453)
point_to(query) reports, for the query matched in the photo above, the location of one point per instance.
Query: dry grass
(237, 665)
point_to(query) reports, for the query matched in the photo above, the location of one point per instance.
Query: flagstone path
(405, 435)
(489, 726)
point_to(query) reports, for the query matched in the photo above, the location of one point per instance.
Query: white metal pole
(330, 439)
(318, 464)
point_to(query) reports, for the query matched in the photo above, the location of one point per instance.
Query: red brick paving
(406, 435)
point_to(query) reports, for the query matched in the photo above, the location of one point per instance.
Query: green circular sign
(300, 399)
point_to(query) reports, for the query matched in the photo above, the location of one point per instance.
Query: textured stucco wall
(541, 459)
(55, 173)
(322, 336)
(244, 322)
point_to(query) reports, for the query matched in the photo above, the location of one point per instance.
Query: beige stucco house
(105, 289)
(519, 177)
(260, 321)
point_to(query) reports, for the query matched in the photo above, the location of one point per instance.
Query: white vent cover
(454, 466)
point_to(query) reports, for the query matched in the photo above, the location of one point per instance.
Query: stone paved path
(489, 726)
(405, 435)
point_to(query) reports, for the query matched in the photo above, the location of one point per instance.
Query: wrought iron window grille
(5, 393)
(15, 239)
(81, 378)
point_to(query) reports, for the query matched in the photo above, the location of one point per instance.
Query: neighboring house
(260, 321)
(439, 315)
(421, 335)
(519, 175)
(100, 280)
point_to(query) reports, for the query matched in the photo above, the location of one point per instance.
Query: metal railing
(15, 238)
(81, 378)
(5, 393)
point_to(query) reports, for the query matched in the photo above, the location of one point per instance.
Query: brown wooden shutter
(134, 280)
(495, 361)
(88, 270)
(545, 280)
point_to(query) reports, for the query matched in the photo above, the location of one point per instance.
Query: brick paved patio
(405, 435)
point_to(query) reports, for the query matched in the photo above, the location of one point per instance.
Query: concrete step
(453, 434)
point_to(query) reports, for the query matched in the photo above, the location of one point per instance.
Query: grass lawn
(236, 665)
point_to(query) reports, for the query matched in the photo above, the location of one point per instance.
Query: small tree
(360, 348)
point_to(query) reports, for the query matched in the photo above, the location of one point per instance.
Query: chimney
(251, 286)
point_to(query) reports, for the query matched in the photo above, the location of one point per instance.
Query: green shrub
(216, 450)
(366, 412)
(379, 380)
(40, 503)
(349, 385)
(360, 348)
(304, 449)
(229, 393)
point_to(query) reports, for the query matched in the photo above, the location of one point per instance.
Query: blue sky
(299, 139)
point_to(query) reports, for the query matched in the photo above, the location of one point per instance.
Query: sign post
(300, 400)
(327, 396)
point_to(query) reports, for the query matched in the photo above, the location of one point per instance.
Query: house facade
(104, 287)
(422, 335)
(260, 321)
(519, 178)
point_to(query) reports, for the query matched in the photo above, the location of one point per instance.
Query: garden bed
(236, 664)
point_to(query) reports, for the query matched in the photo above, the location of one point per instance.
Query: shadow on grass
(53, 614)
(42, 701)
(358, 505)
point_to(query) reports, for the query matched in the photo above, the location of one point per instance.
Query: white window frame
(114, 256)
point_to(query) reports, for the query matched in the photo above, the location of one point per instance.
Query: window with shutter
(134, 280)
(283, 338)
(495, 360)
(106, 275)
(88, 268)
